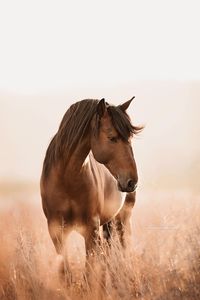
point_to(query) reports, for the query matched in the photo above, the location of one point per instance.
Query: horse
(89, 176)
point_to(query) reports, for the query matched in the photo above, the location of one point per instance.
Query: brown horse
(89, 166)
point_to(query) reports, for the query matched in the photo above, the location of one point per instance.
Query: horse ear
(126, 104)
(101, 108)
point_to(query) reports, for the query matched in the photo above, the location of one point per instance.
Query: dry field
(163, 262)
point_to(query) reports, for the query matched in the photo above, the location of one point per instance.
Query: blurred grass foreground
(162, 263)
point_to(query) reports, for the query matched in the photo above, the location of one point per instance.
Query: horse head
(111, 143)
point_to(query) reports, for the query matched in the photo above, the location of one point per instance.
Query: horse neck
(78, 156)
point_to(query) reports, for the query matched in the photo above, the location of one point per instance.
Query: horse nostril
(131, 185)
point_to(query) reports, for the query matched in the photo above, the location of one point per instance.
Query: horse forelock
(122, 123)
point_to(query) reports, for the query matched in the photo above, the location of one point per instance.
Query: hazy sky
(47, 45)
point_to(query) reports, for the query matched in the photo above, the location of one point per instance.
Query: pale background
(53, 53)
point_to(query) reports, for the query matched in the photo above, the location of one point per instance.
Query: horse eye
(113, 139)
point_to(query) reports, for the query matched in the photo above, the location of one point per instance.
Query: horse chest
(112, 206)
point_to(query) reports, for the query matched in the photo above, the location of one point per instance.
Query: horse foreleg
(92, 246)
(58, 233)
(92, 236)
(107, 231)
(123, 220)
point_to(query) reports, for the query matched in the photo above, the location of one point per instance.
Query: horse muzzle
(127, 186)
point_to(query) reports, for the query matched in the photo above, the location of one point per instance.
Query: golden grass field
(162, 263)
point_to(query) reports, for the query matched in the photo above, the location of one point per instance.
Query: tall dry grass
(162, 263)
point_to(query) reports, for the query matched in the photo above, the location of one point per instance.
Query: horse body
(88, 164)
(97, 195)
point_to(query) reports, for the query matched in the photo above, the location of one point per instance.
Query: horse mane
(75, 125)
